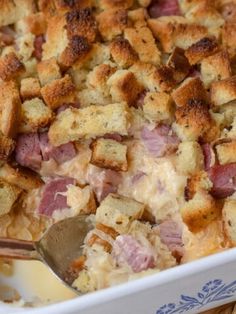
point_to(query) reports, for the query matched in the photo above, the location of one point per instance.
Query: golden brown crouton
(223, 91)
(124, 87)
(10, 67)
(78, 50)
(8, 196)
(205, 47)
(228, 38)
(81, 23)
(64, 5)
(138, 17)
(95, 238)
(229, 220)
(21, 177)
(56, 35)
(7, 146)
(30, 88)
(58, 92)
(33, 23)
(164, 77)
(112, 23)
(123, 53)
(201, 210)
(143, 42)
(179, 64)
(158, 107)
(226, 152)
(12, 11)
(186, 5)
(10, 108)
(193, 121)
(118, 212)
(189, 158)
(190, 89)
(109, 154)
(197, 182)
(215, 68)
(48, 70)
(176, 31)
(35, 114)
(115, 4)
(93, 121)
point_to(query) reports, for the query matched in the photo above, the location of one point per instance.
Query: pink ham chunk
(27, 151)
(160, 141)
(52, 199)
(171, 236)
(38, 47)
(208, 154)
(60, 154)
(104, 182)
(127, 250)
(159, 8)
(223, 179)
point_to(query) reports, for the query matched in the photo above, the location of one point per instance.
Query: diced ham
(127, 250)
(103, 181)
(38, 47)
(171, 236)
(27, 151)
(223, 179)
(160, 141)
(159, 8)
(66, 106)
(52, 199)
(60, 154)
(208, 156)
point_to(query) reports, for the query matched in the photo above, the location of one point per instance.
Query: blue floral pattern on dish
(212, 291)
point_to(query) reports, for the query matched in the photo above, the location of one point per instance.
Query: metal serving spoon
(59, 246)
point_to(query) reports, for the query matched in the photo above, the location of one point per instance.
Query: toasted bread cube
(7, 146)
(48, 70)
(34, 23)
(186, 5)
(8, 196)
(112, 23)
(10, 108)
(190, 89)
(158, 107)
(92, 96)
(77, 51)
(200, 211)
(81, 23)
(226, 152)
(30, 88)
(118, 212)
(12, 11)
(58, 92)
(179, 63)
(228, 38)
(143, 42)
(176, 31)
(108, 4)
(164, 77)
(205, 47)
(194, 121)
(189, 157)
(25, 46)
(215, 68)
(138, 16)
(197, 182)
(124, 87)
(36, 114)
(223, 91)
(22, 178)
(229, 220)
(109, 154)
(93, 121)
(145, 74)
(10, 67)
(123, 53)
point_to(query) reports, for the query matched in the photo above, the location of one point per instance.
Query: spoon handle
(18, 249)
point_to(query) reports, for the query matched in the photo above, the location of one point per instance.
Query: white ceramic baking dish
(189, 288)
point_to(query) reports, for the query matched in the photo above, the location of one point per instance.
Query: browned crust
(179, 63)
(190, 89)
(123, 53)
(78, 50)
(58, 92)
(10, 67)
(30, 88)
(164, 76)
(223, 91)
(36, 23)
(228, 38)
(48, 70)
(201, 49)
(7, 146)
(81, 23)
(115, 4)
